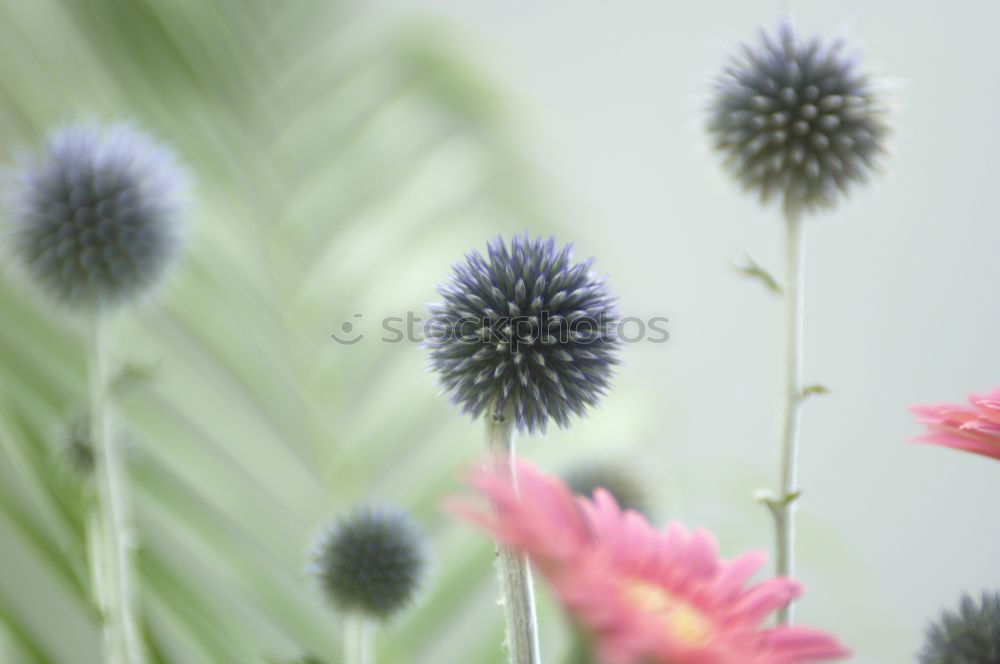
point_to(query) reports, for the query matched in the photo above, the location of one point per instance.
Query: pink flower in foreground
(645, 595)
(974, 428)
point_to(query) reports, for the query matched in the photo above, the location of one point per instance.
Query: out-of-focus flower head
(970, 636)
(525, 329)
(974, 428)
(371, 561)
(645, 595)
(96, 214)
(797, 119)
(624, 487)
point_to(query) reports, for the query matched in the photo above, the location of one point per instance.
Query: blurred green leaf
(340, 167)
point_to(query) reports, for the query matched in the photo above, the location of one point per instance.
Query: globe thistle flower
(974, 428)
(371, 562)
(797, 119)
(645, 595)
(585, 479)
(525, 330)
(970, 636)
(95, 216)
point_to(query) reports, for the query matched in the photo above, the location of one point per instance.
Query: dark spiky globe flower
(970, 636)
(525, 331)
(627, 491)
(371, 561)
(797, 119)
(95, 216)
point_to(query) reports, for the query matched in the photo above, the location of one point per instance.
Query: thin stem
(358, 639)
(96, 559)
(513, 571)
(783, 507)
(117, 596)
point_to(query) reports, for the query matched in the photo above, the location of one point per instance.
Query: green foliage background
(340, 167)
(344, 155)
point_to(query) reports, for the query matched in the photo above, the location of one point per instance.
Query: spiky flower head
(797, 119)
(970, 636)
(584, 479)
(525, 330)
(371, 561)
(96, 214)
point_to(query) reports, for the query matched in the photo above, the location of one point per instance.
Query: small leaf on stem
(814, 390)
(752, 270)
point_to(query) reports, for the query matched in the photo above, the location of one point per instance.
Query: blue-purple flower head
(586, 478)
(96, 214)
(969, 636)
(797, 120)
(525, 332)
(371, 561)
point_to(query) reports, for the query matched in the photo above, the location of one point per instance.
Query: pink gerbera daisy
(645, 595)
(974, 428)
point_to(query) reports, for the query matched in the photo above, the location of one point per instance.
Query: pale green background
(901, 283)
(579, 118)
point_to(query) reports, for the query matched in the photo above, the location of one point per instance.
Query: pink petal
(703, 552)
(802, 644)
(764, 599)
(962, 443)
(988, 408)
(730, 583)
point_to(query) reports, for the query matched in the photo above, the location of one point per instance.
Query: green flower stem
(513, 571)
(783, 507)
(96, 558)
(114, 569)
(358, 647)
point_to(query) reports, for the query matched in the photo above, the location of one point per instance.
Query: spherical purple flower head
(586, 478)
(797, 119)
(371, 561)
(970, 636)
(96, 214)
(526, 331)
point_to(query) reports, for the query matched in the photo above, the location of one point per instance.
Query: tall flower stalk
(96, 225)
(784, 505)
(798, 121)
(122, 638)
(358, 642)
(523, 335)
(513, 570)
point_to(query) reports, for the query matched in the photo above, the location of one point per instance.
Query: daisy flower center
(683, 621)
